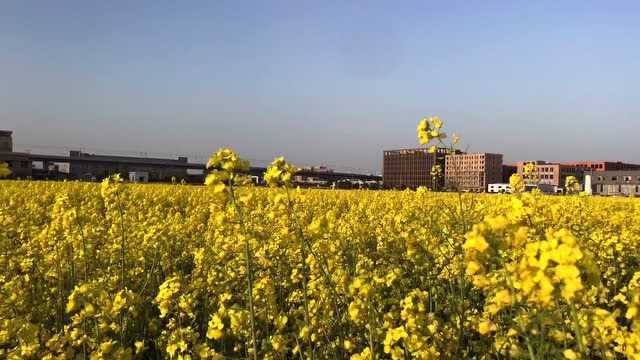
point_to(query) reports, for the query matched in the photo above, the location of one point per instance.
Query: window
(600, 178)
(627, 178)
(614, 178)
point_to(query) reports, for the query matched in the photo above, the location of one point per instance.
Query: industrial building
(6, 141)
(613, 183)
(84, 166)
(411, 168)
(20, 163)
(472, 172)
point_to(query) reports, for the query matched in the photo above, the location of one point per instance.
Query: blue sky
(329, 82)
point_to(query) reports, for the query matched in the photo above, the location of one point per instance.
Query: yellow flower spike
(435, 122)
(570, 354)
(423, 132)
(5, 170)
(280, 173)
(485, 327)
(139, 345)
(215, 328)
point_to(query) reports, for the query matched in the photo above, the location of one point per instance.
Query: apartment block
(472, 172)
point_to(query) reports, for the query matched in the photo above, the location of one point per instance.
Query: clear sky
(322, 82)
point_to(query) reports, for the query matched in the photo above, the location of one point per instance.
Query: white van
(499, 188)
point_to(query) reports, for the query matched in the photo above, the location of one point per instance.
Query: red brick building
(472, 172)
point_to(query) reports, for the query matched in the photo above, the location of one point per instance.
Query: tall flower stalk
(226, 174)
(431, 135)
(281, 173)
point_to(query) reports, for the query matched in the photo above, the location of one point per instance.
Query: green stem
(371, 344)
(247, 257)
(576, 325)
(305, 270)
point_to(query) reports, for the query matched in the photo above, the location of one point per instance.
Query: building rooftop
(76, 155)
(615, 172)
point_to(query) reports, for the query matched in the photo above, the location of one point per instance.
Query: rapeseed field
(163, 271)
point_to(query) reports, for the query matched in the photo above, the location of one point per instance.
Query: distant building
(507, 171)
(89, 167)
(551, 174)
(472, 172)
(411, 168)
(138, 176)
(83, 166)
(602, 165)
(616, 182)
(6, 141)
(318, 169)
(312, 181)
(20, 163)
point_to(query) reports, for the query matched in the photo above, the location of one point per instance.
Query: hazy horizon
(329, 83)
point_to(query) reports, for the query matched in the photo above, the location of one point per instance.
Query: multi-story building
(550, 174)
(602, 165)
(507, 171)
(615, 182)
(472, 172)
(411, 168)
